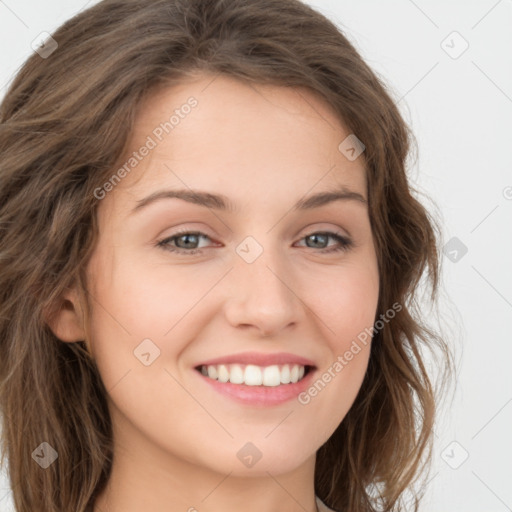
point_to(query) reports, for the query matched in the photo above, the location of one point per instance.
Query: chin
(258, 459)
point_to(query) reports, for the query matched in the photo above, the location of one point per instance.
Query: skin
(176, 439)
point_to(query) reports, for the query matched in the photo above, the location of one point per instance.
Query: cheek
(347, 306)
(139, 309)
(346, 302)
(144, 301)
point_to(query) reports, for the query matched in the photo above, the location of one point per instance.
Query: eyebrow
(222, 203)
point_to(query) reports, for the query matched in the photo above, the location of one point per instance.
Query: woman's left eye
(191, 238)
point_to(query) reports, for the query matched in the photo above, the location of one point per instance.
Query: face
(216, 279)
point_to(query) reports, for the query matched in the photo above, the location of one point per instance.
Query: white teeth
(294, 373)
(223, 373)
(212, 372)
(252, 375)
(236, 375)
(271, 376)
(285, 374)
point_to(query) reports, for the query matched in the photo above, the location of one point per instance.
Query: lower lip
(260, 395)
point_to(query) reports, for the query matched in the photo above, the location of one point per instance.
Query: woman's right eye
(184, 235)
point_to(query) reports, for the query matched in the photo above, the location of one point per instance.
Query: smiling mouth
(252, 375)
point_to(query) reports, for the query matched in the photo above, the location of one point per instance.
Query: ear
(66, 320)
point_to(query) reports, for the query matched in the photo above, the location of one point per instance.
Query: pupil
(187, 237)
(315, 237)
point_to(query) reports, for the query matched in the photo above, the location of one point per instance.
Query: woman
(253, 369)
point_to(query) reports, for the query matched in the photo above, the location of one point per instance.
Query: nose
(262, 297)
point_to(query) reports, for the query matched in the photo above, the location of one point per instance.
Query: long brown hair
(65, 122)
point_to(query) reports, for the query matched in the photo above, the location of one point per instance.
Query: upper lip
(259, 359)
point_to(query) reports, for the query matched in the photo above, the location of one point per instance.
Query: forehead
(241, 140)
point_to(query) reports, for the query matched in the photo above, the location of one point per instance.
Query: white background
(461, 111)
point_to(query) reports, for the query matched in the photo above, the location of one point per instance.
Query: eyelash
(345, 243)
